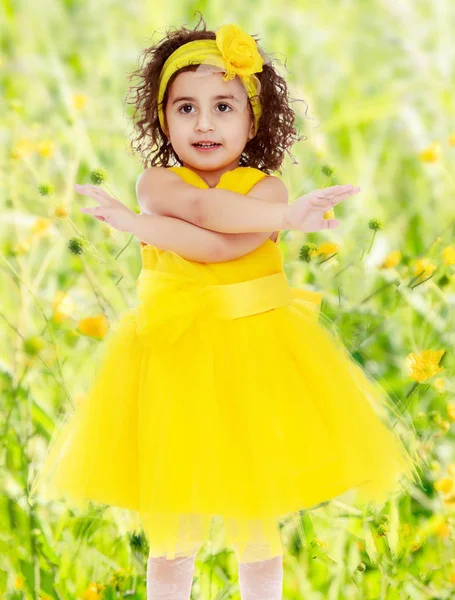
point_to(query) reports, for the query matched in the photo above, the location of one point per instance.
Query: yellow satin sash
(241, 299)
(224, 301)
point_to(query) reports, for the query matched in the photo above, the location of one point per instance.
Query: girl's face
(204, 107)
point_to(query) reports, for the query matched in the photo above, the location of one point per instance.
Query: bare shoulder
(161, 191)
(151, 173)
(153, 176)
(270, 188)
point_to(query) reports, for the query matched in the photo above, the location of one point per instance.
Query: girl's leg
(261, 580)
(170, 579)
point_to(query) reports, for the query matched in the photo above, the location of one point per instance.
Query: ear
(164, 128)
(251, 133)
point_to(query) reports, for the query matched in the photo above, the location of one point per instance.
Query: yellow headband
(233, 51)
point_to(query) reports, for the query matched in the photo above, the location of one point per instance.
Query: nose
(204, 122)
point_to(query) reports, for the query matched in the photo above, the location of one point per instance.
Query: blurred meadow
(373, 87)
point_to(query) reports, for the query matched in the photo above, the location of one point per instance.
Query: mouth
(206, 147)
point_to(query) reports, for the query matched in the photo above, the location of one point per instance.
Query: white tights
(261, 580)
(170, 579)
(173, 579)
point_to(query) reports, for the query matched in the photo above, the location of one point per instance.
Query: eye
(219, 104)
(183, 106)
(224, 104)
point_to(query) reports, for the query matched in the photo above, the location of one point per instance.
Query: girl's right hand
(306, 213)
(111, 210)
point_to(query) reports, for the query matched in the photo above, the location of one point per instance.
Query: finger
(94, 192)
(325, 204)
(338, 190)
(330, 191)
(348, 189)
(330, 200)
(344, 188)
(93, 210)
(89, 193)
(328, 224)
(332, 223)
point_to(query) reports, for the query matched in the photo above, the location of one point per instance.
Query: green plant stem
(43, 313)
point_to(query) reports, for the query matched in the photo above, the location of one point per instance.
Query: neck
(212, 177)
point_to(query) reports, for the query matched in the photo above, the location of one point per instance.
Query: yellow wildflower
(406, 529)
(443, 530)
(449, 500)
(423, 365)
(451, 411)
(330, 214)
(24, 147)
(435, 466)
(21, 247)
(79, 101)
(444, 426)
(445, 484)
(327, 248)
(423, 267)
(439, 384)
(431, 153)
(418, 543)
(19, 583)
(451, 140)
(41, 225)
(61, 211)
(391, 260)
(93, 592)
(448, 254)
(45, 148)
(96, 326)
(63, 306)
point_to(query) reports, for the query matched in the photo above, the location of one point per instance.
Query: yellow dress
(221, 393)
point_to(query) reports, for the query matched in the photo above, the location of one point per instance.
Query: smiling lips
(206, 143)
(206, 147)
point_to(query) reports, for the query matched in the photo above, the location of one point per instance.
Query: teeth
(206, 145)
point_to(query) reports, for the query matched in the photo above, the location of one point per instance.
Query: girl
(221, 393)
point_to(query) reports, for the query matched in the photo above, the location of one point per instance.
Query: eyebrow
(191, 99)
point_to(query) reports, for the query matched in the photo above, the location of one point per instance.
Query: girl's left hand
(307, 212)
(112, 211)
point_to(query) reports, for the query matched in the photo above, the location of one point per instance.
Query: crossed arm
(207, 225)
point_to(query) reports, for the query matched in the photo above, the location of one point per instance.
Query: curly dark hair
(265, 151)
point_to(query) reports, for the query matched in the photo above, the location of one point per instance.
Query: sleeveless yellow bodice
(264, 260)
(185, 289)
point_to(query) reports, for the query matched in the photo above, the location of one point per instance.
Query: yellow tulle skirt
(197, 411)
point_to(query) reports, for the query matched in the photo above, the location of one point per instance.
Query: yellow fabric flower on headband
(233, 51)
(239, 50)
